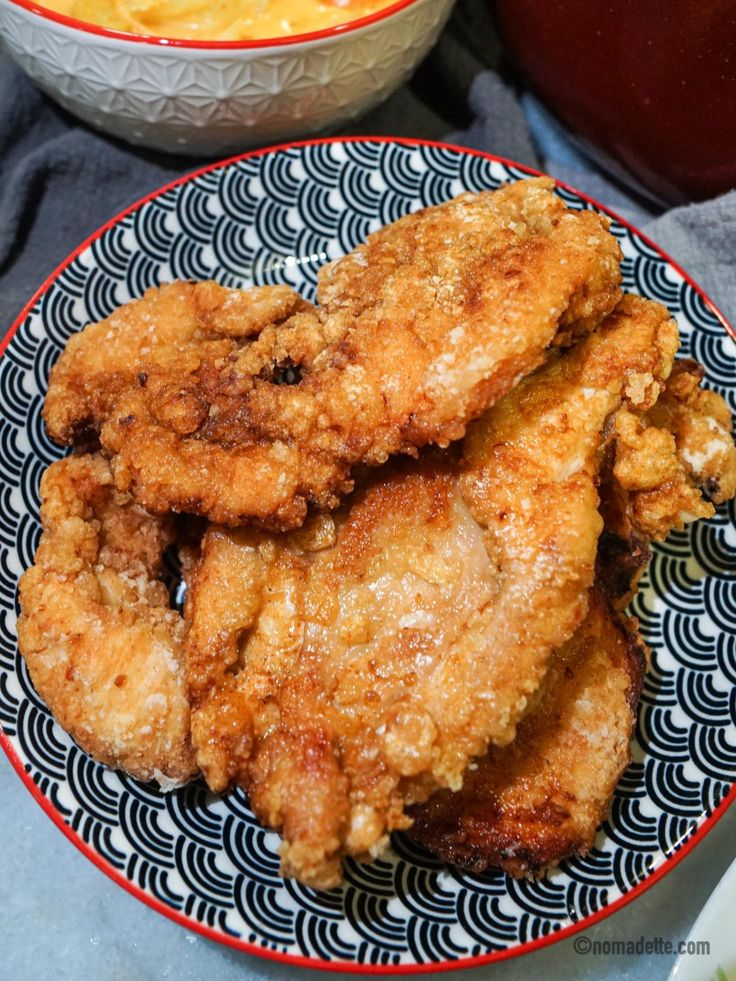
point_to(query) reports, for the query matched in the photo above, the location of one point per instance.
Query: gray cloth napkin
(59, 180)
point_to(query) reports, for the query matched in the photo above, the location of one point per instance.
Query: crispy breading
(667, 456)
(623, 555)
(344, 671)
(103, 648)
(420, 329)
(526, 806)
(702, 425)
(174, 329)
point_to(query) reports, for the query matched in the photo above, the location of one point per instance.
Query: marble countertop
(64, 919)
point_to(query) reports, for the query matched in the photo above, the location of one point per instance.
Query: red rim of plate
(350, 967)
(171, 42)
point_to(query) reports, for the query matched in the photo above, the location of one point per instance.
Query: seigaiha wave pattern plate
(274, 217)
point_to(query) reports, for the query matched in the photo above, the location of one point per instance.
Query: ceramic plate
(274, 217)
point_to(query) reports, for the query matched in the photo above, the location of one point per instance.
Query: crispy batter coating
(420, 329)
(526, 806)
(623, 555)
(174, 329)
(103, 648)
(344, 671)
(702, 426)
(666, 456)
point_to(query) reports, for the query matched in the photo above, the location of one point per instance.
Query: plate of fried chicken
(369, 542)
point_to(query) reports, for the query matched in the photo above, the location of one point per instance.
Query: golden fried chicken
(701, 424)
(526, 806)
(665, 457)
(347, 670)
(420, 329)
(175, 329)
(103, 648)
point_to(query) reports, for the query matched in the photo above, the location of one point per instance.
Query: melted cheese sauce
(227, 20)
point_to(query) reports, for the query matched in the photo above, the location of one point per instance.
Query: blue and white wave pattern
(275, 218)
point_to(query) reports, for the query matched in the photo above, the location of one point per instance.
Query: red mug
(649, 86)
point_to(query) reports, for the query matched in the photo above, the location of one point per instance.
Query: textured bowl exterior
(206, 102)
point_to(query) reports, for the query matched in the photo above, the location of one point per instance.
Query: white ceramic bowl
(210, 98)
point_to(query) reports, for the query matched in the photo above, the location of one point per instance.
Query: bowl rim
(36, 9)
(237, 943)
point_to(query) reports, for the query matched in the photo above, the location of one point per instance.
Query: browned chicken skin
(344, 671)
(526, 806)
(395, 586)
(102, 646)
(363, 639)
(420, 329)
(440, 632)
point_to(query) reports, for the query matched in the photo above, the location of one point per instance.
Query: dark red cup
(649, 86)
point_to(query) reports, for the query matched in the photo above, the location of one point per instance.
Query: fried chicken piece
(174, 328)
(422, 328)
(665, 457)
(344, 671)
(623, 555)
(103, 648)
(526, 806)
(702, 425)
